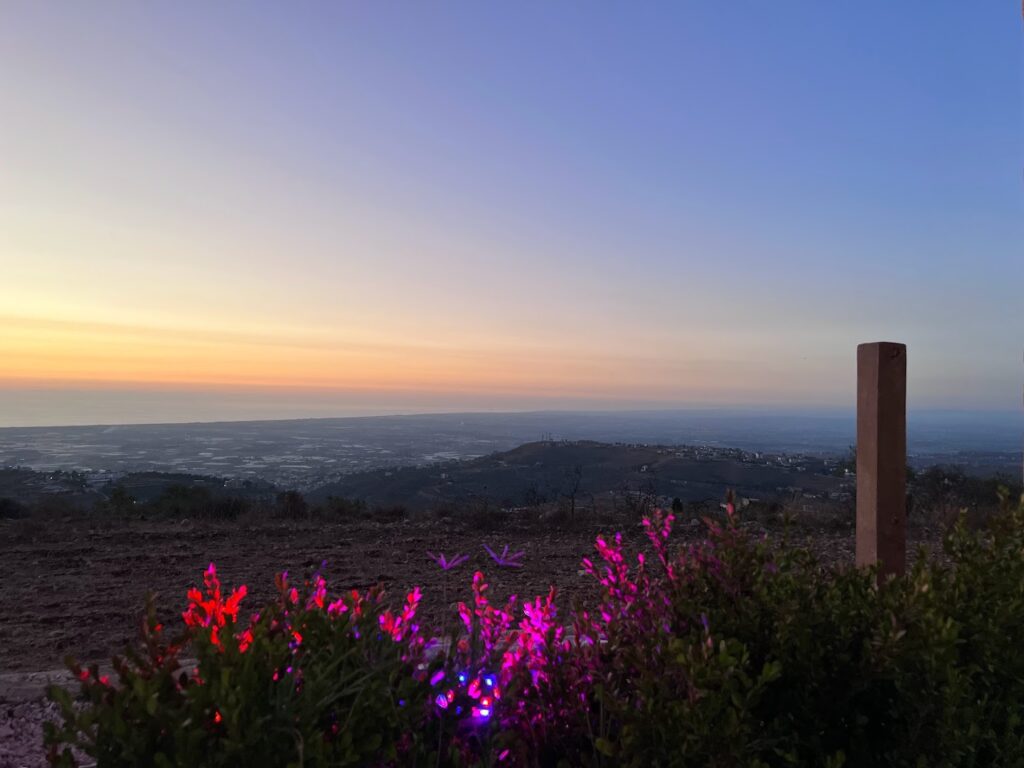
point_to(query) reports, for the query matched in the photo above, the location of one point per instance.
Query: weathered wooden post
(882, 456)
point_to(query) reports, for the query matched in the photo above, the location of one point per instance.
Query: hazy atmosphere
(525, 385)
(238, 211)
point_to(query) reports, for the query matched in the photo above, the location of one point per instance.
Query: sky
(267, 209)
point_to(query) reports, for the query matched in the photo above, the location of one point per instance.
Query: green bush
(305, 683)
(742, 654)
(727, 652)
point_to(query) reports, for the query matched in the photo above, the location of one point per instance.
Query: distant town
(307, 454)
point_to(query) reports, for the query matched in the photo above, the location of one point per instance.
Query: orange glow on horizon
(63, 354)
(59, 352)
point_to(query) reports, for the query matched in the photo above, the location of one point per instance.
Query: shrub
(344, 509)
(291, 505)
(482, 515)
(725, 652)
(12, 509)
(306, 681)
(389, 514)
(943, 492)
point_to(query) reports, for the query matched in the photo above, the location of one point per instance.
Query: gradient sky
(469, 206)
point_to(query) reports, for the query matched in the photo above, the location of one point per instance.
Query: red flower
(398, 626)
(212, 610)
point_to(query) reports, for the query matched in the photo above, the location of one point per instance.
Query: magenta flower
(445, 563)
(505, 560)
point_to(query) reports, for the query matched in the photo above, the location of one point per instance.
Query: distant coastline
(305, 452)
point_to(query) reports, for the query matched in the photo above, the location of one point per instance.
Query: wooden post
(882, 456)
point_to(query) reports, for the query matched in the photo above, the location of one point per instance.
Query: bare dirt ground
(77, 586)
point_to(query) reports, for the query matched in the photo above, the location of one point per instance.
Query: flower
(399, 625)
(446, 564)
(505, 560)
(212, 610)
(730, 505)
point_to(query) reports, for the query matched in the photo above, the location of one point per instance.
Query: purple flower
(505, 560)
(445, 563)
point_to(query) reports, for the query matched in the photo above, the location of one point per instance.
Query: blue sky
(522, 206)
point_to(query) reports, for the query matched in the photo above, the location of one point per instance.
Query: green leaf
(604, 746)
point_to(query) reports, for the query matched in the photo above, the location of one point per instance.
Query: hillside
(58, 490)
(541, 472)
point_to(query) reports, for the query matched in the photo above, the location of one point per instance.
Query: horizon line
(826, 411)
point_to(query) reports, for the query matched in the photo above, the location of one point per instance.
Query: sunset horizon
(611, 229)
(466, 384)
